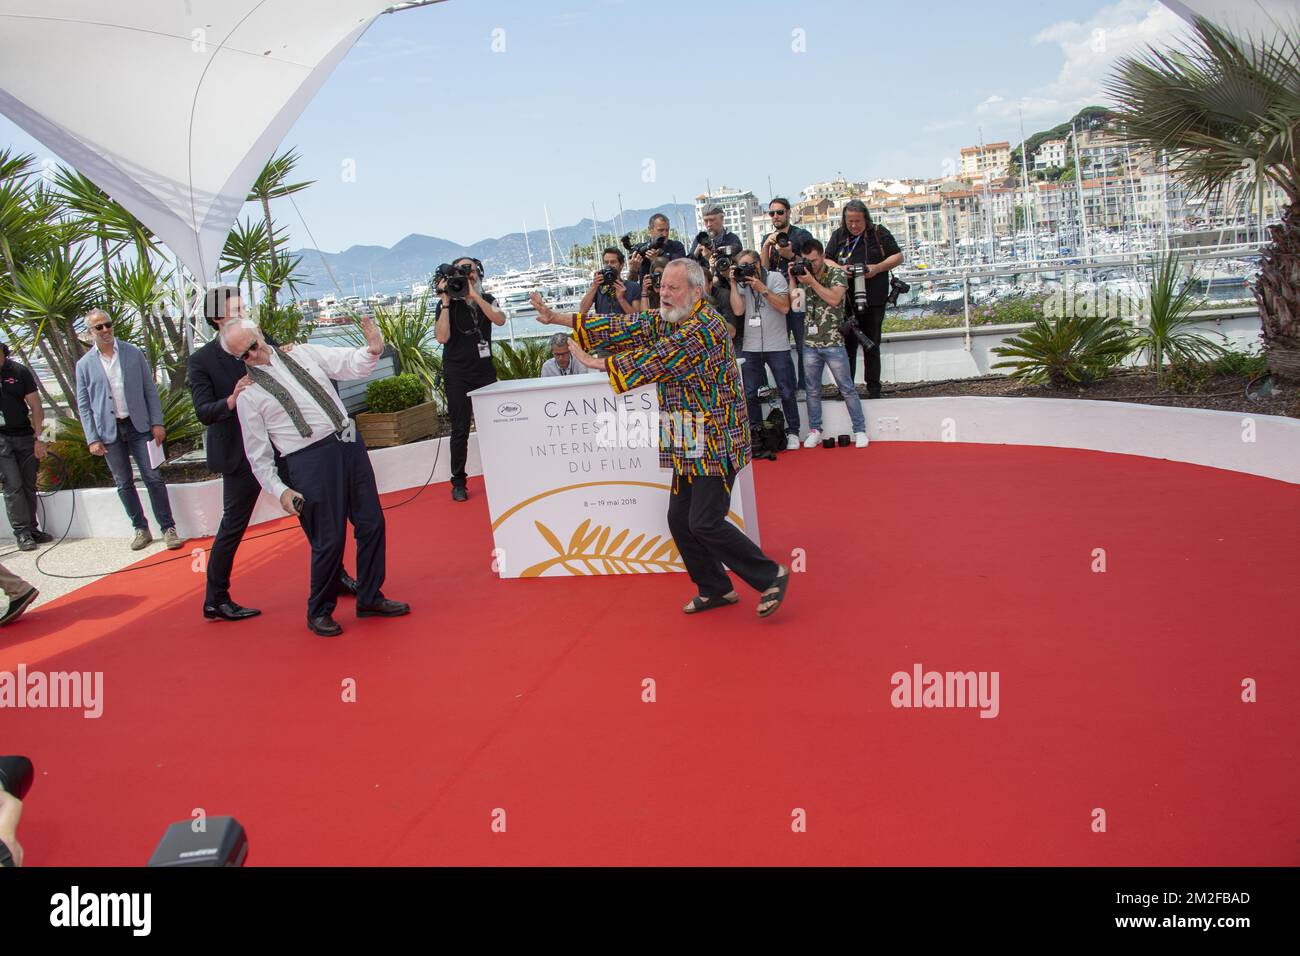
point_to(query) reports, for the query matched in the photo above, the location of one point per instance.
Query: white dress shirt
(267, 425)
(113, 369)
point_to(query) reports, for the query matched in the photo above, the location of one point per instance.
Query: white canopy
(1242, 18)
(172, 107)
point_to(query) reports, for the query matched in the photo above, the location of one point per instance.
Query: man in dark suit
(216, 379)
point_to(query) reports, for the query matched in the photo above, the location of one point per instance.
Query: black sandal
(701, 603)
(773, 600)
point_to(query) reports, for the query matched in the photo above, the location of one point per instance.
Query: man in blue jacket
(120, 413)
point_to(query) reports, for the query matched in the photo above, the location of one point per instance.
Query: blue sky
(453, 139)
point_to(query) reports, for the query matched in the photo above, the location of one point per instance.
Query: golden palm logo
(590, 547)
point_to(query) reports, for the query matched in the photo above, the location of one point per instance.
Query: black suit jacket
(213, 374)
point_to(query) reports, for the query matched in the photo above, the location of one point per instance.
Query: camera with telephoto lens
(897, 287)
(455, 279)
(703, 240)
(781, 239)
(857, 274)
(642, 248)
(742, 271)
(722, 257)
(608, 275)
(800, 267)
(655, 279)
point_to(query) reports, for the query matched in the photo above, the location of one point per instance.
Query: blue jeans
(131, 444)
(816, 358)
(754, 375)
(795, 323)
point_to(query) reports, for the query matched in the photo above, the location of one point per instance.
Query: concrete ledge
(1263, 445)
(196, 506)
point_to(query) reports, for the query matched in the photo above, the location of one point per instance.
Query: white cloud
(1089, 50)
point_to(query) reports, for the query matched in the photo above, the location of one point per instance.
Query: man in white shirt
(120, 412)
(290, 406)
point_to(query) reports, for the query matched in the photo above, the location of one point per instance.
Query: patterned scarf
(281, 394)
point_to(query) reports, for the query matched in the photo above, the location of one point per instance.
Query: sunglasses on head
(102, 326)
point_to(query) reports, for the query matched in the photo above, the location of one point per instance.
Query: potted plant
(399, 412)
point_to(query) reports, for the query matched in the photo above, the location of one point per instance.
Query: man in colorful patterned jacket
(685, 349)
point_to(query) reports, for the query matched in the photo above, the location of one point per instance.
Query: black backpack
(772, 432)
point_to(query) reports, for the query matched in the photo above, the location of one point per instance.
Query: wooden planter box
(385, 429)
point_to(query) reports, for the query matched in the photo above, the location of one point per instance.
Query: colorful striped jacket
(704, 424)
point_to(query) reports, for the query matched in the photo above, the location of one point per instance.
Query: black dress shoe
(42, 537)
(347, 584)
(19, 604)
(26, 542)
(384, 608)
(458, 493)
(325, 626)
(228, 611)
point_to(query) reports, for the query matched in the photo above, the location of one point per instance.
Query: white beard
(674, 314)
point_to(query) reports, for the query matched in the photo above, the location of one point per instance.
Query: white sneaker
(861, 440)
(791, 442)
(813, 440)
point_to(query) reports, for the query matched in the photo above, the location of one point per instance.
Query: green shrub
(1245, 364)
(80, 469)
(396, 393)
(1070, 350)
(521, 359)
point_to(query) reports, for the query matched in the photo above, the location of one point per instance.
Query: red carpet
(1118, 690)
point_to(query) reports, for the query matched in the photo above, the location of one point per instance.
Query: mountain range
(413, 259)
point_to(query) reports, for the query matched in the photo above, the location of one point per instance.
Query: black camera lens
(16, 776)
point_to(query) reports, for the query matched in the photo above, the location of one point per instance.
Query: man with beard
(464, 330)
(685, 349)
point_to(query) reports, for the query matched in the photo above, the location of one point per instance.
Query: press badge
(755, 320)
(484, 350)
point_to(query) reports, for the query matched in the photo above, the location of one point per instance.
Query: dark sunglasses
(249, 351)
(778, 212)
(102, 326)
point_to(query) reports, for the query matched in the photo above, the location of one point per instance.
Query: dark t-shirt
(777, 262)
(16, 383)
(469, 326)
(875, 245)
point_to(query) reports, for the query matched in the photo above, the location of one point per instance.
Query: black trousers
(697, 518)
(460, 408)
(18, 467)
(338, 485)
(239, 492)
(870, 324)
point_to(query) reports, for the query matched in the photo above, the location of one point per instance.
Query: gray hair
(240, 325)
(715, 211)
(560, 338)
(656, 217)
(694, 274)
(94, 312)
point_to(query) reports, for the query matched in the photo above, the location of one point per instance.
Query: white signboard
(573, 480)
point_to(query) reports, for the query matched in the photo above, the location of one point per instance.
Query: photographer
(718, 284)
(763, 299)
(825, 286)
(780, 247)
(713, 237)
(609, 293)
(669, 249)
(650, 284)
(870, 251)
(465, 318)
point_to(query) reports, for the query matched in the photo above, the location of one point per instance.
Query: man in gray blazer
(120, 411)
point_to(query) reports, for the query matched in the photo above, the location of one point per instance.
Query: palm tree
(1219, 105)
(246, 246)
(271, 184)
